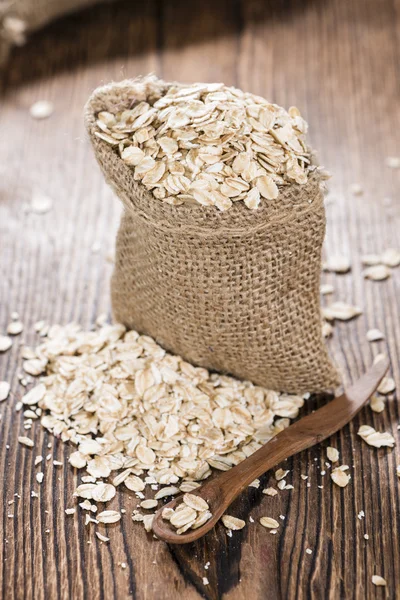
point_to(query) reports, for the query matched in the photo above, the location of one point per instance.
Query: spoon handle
(303, 434)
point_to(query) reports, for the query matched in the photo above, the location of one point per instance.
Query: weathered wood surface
(338, 61)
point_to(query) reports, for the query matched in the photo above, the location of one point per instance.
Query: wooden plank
(338, 62)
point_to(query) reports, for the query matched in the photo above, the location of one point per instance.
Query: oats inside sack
(208, 143)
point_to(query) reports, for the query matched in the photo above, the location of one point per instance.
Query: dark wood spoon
(308, 431)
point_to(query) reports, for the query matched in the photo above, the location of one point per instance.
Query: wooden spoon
(308, 431)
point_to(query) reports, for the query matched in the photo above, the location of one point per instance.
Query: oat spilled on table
(142, 418)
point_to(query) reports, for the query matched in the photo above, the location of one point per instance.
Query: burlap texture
(34, 14)
(236, 292)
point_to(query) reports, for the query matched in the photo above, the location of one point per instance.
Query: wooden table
(338, 61)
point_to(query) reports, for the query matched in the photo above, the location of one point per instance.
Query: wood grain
(338, 61)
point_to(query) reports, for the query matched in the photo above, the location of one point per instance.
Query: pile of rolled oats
(143, 418)
(209, 143)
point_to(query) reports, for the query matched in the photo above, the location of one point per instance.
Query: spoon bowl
(221, 491)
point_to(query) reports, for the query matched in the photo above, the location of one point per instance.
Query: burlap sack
(237, 291)
(19, 17)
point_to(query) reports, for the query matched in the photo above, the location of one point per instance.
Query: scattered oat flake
(327, 330)
(366, 536)
(40, 204)
(374, 335)
(338, 264)
(70, 511)
(332, 454)
(308, 551)
(4, 390)
(103, 492)
(377, 273)
(378, 580)
(393, 162)
(375, 438)
(205, 581)
(15, 328)
(42, 109)
(280, 474)
(232, 523)
(387, 386)
(34, 395)
(102, 537)
(341, 311)
(269, 522)
(255, 484)
(377, 404)
(356, 189)
(25, 441)
(39, 477)
(109, 516)
(326, 288)
(339, 477)
(208, 143)
(148, 504)
(270, 491)
(391, 257)
(5, 343)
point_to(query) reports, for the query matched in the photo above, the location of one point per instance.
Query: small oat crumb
(34, 494)
(70, 511)
(378, 580)
(304, 477)
(205, 581)
(366, 536)
(39, 477)
(251, 519)
(103, 538)
(123, 565)
(308, 551)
